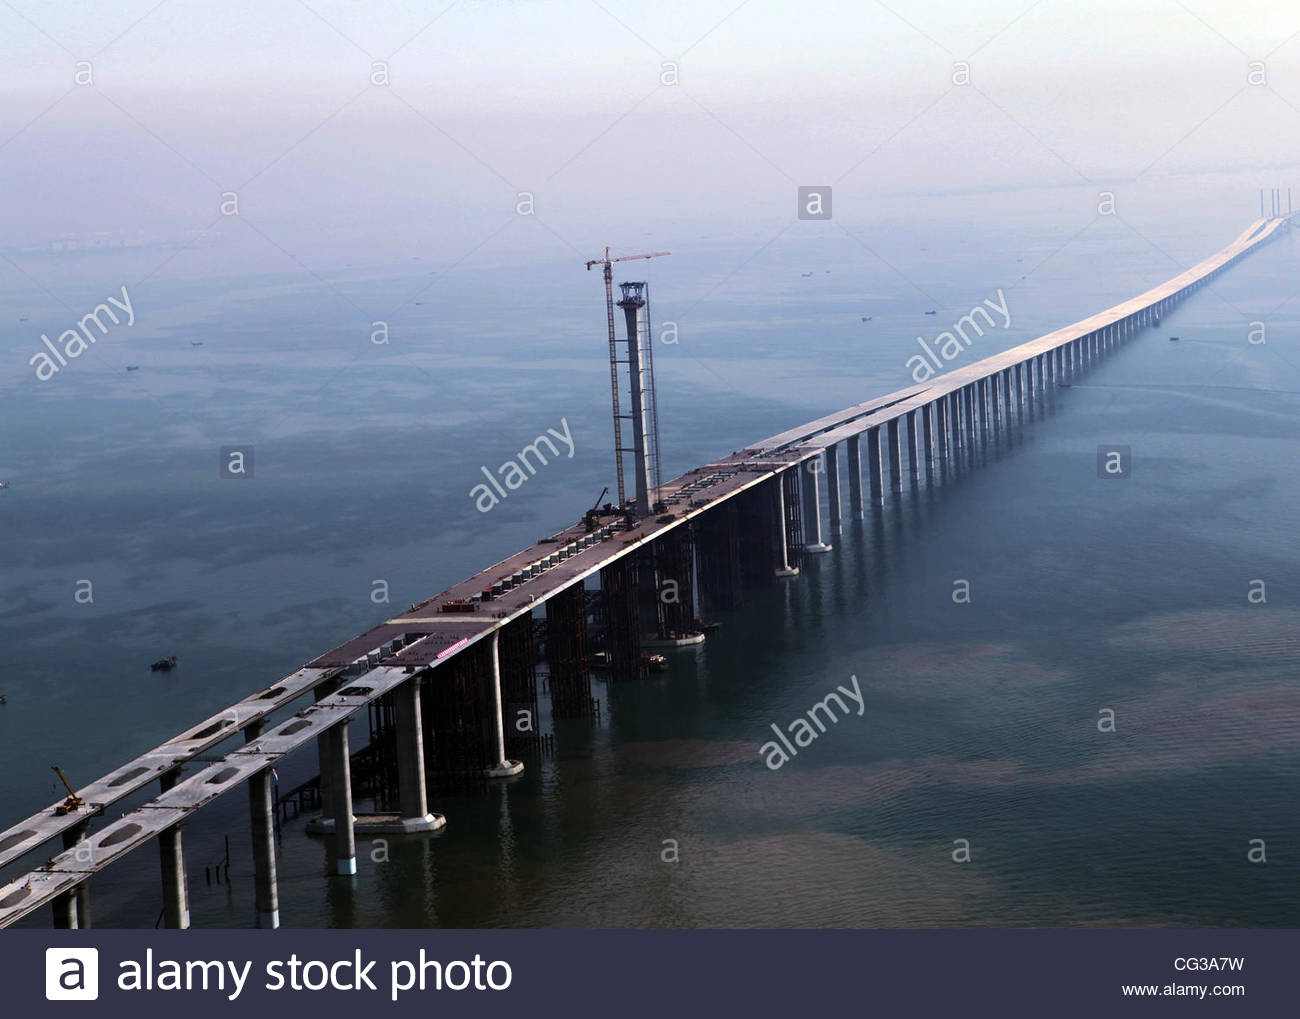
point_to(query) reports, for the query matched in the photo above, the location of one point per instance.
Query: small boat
(3, 699)
(1063, 385)
(196, 343)
(655, 662)
(164, 664)
(1157, 320)
(23, 318)
(932, 313)
(704, 626)
(599, 660)
(4, 484)
(805, 275)
(866, 318)
(1173, 339)
(133, 367)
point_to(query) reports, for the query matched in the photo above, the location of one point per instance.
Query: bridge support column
(171, 850)
(322, 750)
(412, 787)
(913, 447)
(176, 909)
(65, 911)
(340, 767)
(566, 633)
(500, 767)
(981, 387)
(833, 485)
(261, 805)
(812, 509)
(854, 451)
(783, 567)
(895, 456)
(927, 431)
(81, 894)
(968, 409)
(874, 470)
(941, 425)
(1006, 395)
(954, 420)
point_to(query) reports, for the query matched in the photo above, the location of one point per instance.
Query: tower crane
(608, 264)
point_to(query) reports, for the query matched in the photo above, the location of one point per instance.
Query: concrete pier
(854, 451)
(927, 431)
(82, 894)
(941, 425)
(783, 567)
(811, 510)
(874, 471)
(175, 888)
(171, 851)
(913, 448)
(261, 804)
(65, 911)
(833, 485)
(340, 770)
(322, 691)
(895, 456)
(412, 786)
(501, 767)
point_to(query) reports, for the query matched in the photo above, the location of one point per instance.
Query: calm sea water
(980, 720)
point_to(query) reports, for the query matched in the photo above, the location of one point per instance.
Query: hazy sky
(571, 101)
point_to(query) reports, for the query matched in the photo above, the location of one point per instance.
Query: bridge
(452, 669)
